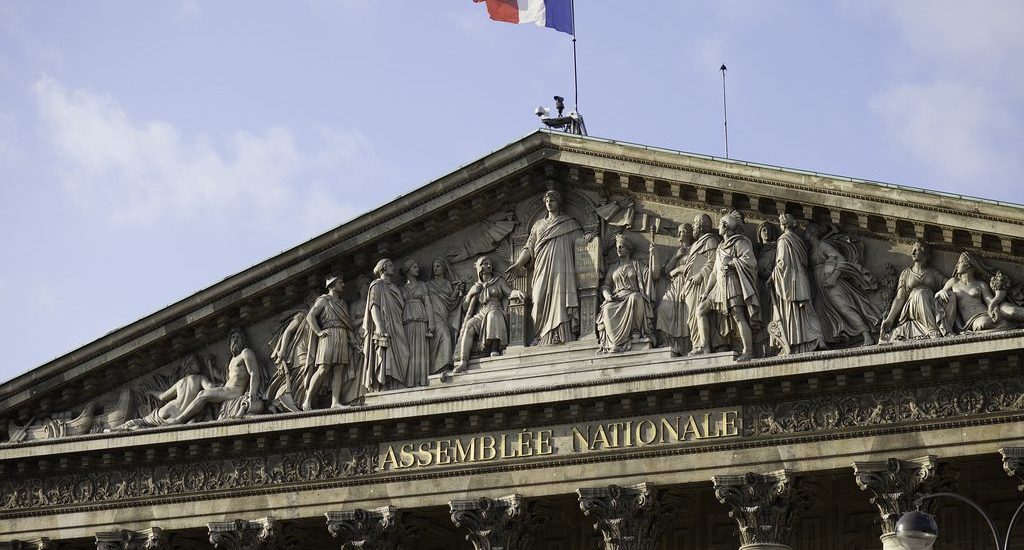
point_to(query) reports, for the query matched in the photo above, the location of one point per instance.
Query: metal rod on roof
(725, 111)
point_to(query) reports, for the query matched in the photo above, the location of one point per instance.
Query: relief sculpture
(915, 312)
(672, 316)
(627, 314)
(485, 329)
(385, 347)
(331, 350)
(549, 251)
(796, 328)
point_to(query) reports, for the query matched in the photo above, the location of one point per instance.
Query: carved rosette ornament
(628, 518)
(896, 484)
(261, 534)
(764, 506)
(153, 538)
(377, 529)
(505, 523)
(1013, 464)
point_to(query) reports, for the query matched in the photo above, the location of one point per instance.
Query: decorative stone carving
(261, 534)
(42, 543)
(841, 283)
(794, 325)
(550, 250)
(506, 523)
(672, 315)
(1013, 464)
(896, 484)
(485, 328)
(764, 506)
(914, 312)
(385, 347)
(377, 529)
(902, 405)
(332, 349)
(971, 305)
(290, 351)
(264, 472)
(628, 518)
(731, 295)
(153, 538)
(698, 270)
(445, 306)
(627, 314)
(242, 391)
(767, 240)
(418, 322)
(93, 417)
(178, 397)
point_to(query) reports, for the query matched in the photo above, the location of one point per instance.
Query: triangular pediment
(488, 207)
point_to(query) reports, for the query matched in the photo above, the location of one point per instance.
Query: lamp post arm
(991, 524)
(1009, 528)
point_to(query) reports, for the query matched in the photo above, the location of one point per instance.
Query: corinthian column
(377, 529)
(505, 523)
(261, 534)
(764, 507)
(1013, 464)
(153, 538)
(896, 485)
(628, 518)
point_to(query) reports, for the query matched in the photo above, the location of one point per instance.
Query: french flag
(553, 14)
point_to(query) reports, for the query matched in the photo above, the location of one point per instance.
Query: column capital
(260, 534)
(153, 538)
(763, 505)
(896, 484)
(628, 518)
(506, 523)
(379, 528)
(1013, 464)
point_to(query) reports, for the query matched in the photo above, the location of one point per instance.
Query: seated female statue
(626, 314)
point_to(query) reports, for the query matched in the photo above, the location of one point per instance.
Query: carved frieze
(506, 523)
(763, 505)
(893, 406)
(628, 518)
(186, 479)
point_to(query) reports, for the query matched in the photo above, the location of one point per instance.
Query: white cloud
(132, 172)
(963, 118)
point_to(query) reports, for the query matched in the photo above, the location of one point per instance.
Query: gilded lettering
(692, 427)
(579, 441)
(629, 433)
(600, 436)
(487, 450)
(729, 423)
(707, 427)
(465, 454)
(405, 456)
(544, 442)
(389, 458)
(523, 443)
(423, 455)
(441, 455)
(646, 432)
(668, 428)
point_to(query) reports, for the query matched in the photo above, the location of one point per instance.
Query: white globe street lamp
(917, 530)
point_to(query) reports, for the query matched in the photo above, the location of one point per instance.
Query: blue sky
(150, 149)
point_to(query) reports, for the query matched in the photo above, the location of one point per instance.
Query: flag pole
(575, 80)
(725, 111)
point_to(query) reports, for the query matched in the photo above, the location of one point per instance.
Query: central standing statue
(551, 247)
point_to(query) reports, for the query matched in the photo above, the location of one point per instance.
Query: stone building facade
(579, 389)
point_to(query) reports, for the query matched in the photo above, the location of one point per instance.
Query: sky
(150, 149)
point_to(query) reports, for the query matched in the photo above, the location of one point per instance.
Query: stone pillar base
(891, 542)
(765, 546)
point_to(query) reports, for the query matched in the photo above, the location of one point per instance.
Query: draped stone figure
(419, 324)
(971, 304)
(551, 248)
(731, 295)
(385, 348)
(445, 306)
(485, 328)
(767, 237)
(697, 269)
(672, 316)
(176, 398)
(1002, 307)
(626, 314)
(914, 312)
(798, 328)
(330, 352)
(289, 350)
(240, 394)
(840, 282)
